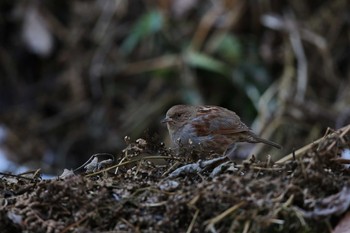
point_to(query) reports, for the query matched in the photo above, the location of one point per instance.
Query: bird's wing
(217, 120)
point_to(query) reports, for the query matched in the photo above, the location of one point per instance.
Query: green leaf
(206, 62)
(230, 47)
(148, 24)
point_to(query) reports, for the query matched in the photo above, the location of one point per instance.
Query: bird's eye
(178, 115)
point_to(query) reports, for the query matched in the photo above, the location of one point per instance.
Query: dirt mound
(139, 192)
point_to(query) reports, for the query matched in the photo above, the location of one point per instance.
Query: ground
(308, 191)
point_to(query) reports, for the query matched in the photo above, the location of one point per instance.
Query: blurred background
(76, 77)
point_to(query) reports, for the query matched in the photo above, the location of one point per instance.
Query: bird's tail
(274, 144)
(258, 139)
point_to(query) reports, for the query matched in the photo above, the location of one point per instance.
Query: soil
(138, 191)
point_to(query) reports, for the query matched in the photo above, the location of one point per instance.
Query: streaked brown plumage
(210, 128)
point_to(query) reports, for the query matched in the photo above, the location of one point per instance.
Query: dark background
(76, 77)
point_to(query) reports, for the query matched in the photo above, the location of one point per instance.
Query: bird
(209, 128)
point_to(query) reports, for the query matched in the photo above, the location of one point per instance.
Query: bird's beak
(166, 120)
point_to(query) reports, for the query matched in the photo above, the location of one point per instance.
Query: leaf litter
(135, 192)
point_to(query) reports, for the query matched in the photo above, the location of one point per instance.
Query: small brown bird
(209, 128)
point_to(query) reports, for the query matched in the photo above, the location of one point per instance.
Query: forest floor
(144, 191)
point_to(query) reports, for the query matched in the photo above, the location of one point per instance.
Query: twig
(211, 222)
(190, 227)
(260, 168)
(302, 150)
(77, 223)
(17, 176)
(89, 161)
(128, 162)
(246, 226)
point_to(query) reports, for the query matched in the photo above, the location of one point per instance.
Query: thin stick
(128, 162)
(302, 150)
(190, 227)
(218, 218)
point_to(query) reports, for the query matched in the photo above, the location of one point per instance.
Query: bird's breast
(188, 136)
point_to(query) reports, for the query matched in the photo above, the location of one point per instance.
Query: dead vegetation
(310, 192)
